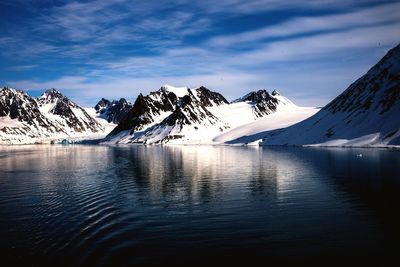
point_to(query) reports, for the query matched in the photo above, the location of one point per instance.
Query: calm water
(97, 205)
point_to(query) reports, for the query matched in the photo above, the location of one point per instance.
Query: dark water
(188, 205)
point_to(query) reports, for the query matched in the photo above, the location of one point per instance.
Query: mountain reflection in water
(99, 205)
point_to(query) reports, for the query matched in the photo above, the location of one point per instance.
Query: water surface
(153, 205)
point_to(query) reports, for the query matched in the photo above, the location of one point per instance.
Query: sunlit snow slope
(365, 114)
(199, 116)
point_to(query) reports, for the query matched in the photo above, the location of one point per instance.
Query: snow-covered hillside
(365, 114)
(252, 132)
(174, 115)
(171, 114)
(50, 117)
(107, 126)
(66, 114)
(199, 116)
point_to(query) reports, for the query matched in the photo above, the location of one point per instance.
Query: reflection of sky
(190, 173)
(304, 200)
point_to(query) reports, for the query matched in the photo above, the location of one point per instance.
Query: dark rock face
(145, 110)
(377, 90)
(102, 105)
(113, 111)
(52, 115)
(183, 110)
(18, 105)
(209, 98)
(189, 111)
(263, 102)
(186, 110)
(365, 114)
(74, 116)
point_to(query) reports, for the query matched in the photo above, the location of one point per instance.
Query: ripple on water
(93, 205)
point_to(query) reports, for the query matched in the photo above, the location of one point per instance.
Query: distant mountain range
(168, 115)
(365, 114)
(52, 116)
(192, 116)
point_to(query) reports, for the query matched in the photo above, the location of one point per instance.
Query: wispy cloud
(120, 48)
(384, 14)
(238, 6)
(21, 67)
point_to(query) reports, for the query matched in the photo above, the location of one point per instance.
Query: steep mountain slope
(167, 114)
(52, 116)
(198, 116)
(146, 111)
(109, 113)
(67, 114)
(17, 105)
(365, 114)
(21, 120)
(113, 111)
(264, 103)
(253, 106)
(190, 122)
(208, 98)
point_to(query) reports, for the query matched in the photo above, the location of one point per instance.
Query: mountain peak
(52, 91)
(11, 103)
(274, 93)
(209, 98)
(178, 91)
(11, 90)
(255, 96)
(50, 95)
(113, 111)
(265, 103)
(102, 104)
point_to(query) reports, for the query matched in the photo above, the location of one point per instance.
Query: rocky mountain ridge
(181, 114)
(50, 117)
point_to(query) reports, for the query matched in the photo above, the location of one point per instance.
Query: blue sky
(310, 51)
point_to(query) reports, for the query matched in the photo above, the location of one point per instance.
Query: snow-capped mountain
(109, 113)
(52, 116)
(184, 115)
(365, 114)
(190, 122)
(263, 102)
(112, 111)
(17, 105)
(65, 113)
(208, 98)
(177, 115)
(21, 119)
(146, 111)
(167, 114)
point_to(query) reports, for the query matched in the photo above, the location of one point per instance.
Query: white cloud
(315, 68)
(252, 6)
(310, 68)
(318, 46)
(367, 17)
